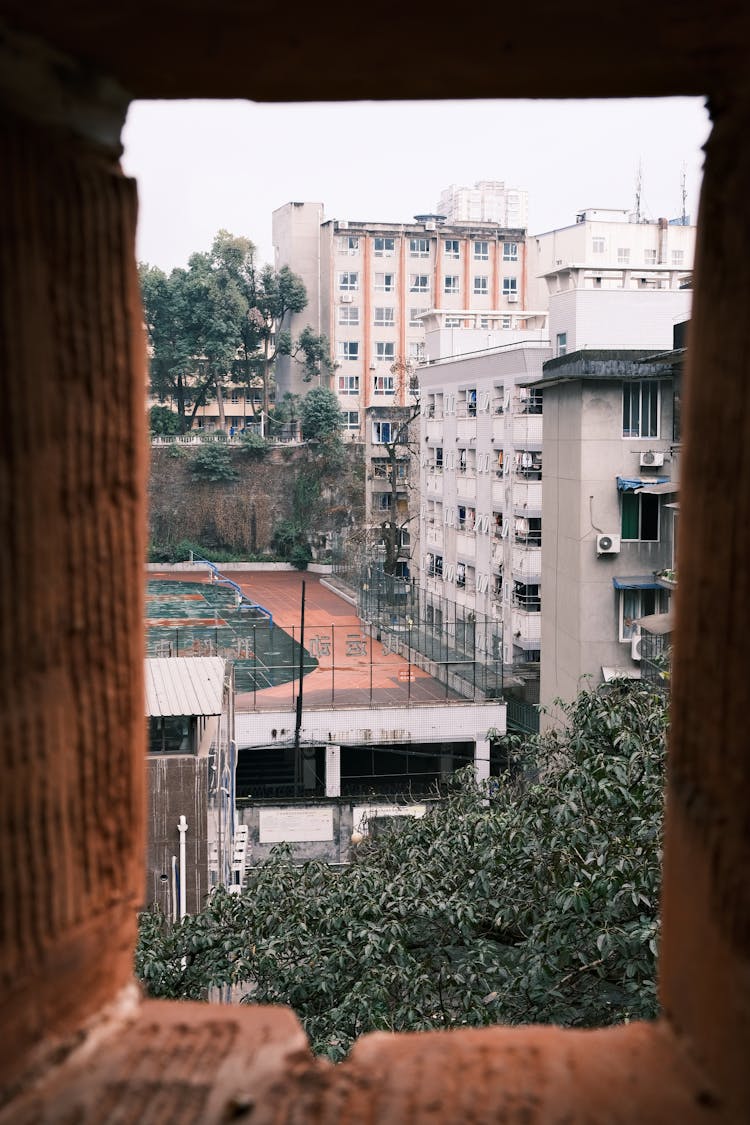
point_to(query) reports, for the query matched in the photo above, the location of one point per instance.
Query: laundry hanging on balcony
(632, 484)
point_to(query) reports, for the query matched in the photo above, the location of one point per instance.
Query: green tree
(533, 899)
(321, 415)
(162, 420)
(221, 321)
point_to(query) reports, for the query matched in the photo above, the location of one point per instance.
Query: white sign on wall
(362, 813)
(294, 826)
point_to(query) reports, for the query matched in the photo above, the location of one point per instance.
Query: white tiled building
(488, 201)
(603, 238)
(480, 481)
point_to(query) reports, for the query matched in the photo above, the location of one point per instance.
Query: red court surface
(354, 670)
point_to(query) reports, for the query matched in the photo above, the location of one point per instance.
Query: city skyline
(198, 167)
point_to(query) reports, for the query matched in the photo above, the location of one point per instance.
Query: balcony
(466, 544)
(498, 428)
(527, 563)
(435, 484)
(527, 497)
(434, 536)
(434, 429)
(526, 627)
(466, 428)
(498, 491)
(466, 486)
(527, 431)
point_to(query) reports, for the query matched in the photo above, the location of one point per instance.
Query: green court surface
(204, 619)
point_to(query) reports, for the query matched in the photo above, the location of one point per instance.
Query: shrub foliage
(534, 899)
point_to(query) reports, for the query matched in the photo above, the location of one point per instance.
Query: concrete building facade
(603, 238)
(488, 201)
(370, 283)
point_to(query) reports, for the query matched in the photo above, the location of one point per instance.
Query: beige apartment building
(370, 283)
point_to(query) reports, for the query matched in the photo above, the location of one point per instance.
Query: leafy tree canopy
(533, 900)
(320, 414)
(222, 320)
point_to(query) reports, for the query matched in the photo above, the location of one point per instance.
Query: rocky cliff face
(315, 491)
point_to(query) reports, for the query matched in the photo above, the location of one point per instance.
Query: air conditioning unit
(430, 226)
(346, 298)
(343, 224)
(607, 544)
(512, 298)
(635, 646)
(651, 458)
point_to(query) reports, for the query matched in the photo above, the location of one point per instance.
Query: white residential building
(489, 201)
(480, 529)
(604, 238)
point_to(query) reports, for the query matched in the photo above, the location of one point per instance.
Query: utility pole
(298, 722)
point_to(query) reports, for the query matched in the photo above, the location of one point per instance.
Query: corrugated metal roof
(184, 685)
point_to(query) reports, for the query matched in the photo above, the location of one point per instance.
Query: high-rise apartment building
(370, 283)
(489, 201)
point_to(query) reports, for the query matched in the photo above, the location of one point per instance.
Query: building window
(453, 322)
(438, 456)
(384, 317)
(597, 245)
(351, 419)
(383, 247)
(623, 256)
(481, 286)
(348, 314)
(481, 251)
(348, 282)
(640, 517)
(649, 257)
(510, 251)
(510, 287)
(416, 350)
(419, 247)
(562, 343)
(678, 257)
(349, 244)
(640, 409)
(348, 384)
(381, 432)
(419, 283)
(451, 284)
(414, 315)
(635, 604)
(527, 597)
(451, 248)
(348, 350)
(384, 351)
(382, 501)
(385, 282)
(382, 385)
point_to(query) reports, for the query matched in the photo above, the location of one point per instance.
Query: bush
(214, 463)
(253, 445)
(164, 421)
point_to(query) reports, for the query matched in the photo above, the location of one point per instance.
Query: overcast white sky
(202, 166)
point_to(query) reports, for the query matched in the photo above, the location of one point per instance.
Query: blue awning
(636, 582)
(630, 484)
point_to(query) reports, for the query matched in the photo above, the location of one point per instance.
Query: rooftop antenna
(638, 191)
(683, 190)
